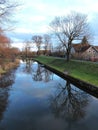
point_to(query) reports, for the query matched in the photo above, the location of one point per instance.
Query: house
(85, 52)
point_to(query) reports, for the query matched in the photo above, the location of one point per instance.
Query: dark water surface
(33, 98)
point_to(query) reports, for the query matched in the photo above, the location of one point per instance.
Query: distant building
(85, 52)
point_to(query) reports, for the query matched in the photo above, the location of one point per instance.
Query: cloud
(19, 36)
(84, 6)
(23, 30)
(35, 16)
(35, 5)
(18, 45)
(42, 29)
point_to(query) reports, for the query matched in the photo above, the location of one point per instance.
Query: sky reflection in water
(41, 100)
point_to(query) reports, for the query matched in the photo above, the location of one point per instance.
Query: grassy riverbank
(85, 71)
(8, 66)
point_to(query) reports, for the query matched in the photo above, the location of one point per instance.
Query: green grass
(85, 71)
(2, 71)
(8, 65)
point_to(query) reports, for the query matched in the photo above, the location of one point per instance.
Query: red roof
(96, 47)
(80, 47)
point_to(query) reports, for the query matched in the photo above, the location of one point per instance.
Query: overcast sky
(34, 16)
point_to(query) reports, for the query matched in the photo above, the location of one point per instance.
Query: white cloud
(35, 16)
(36, 5)
(23, 30)
(42, 29)
(17, 44)
(39, 6)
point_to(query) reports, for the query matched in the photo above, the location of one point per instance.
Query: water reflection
(6, 82)
(7, 79)
(69, 102)
(38, 72)
(42, 74)
(39, 99)
(28, 67)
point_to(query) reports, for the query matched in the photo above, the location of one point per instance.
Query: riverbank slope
(7, 66)
(82, 70)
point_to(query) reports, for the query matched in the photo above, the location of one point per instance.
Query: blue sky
(34, 16)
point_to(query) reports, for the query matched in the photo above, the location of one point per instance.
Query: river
(33, 98)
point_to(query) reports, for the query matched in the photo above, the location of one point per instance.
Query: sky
(34, 16)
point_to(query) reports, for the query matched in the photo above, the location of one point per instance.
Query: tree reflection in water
(28, 68)
(41, 74)
(69, 102)
(37, 75)
(5, 83)
(38, 72)
(7, 79)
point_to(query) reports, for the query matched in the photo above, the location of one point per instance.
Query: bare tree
(6, 10)
(68, 28)
(47, 44)
(37, 39)
(26, 48)
(60, 50)
(84, 41)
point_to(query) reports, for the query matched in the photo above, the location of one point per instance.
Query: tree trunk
(68, 55)
(69, 50)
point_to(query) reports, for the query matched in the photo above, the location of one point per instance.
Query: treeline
(8, 53)
(64, 30)
(39, 44)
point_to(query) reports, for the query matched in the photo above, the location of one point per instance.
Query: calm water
(33, 98)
